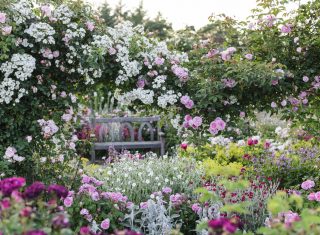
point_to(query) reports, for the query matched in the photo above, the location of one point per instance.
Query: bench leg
(162, 147)
(93, 155)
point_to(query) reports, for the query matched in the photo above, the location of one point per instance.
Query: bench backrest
(153, 124)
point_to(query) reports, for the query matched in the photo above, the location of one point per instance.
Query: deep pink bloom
(35, 232)
(5, 204)
(85, 230)
(184, 146)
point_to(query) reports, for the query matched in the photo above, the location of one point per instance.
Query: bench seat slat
(128, 145)
(127, 119)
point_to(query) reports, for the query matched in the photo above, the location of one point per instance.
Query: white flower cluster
(282, 132)
(41, 32)
(220, 140)
(159, 81)
(19, 67)
(168, 98)
(48, 128)
(74, 31)
(11, 155)
(22, 11)
(63, 13)
(146, 96)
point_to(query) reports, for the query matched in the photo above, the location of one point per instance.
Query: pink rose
(10, 152)
(317, 196)
(312, 197)
(68, 201)
(105, 224)
(196, 122)
(112, 51)
(308, 184)
(2, 17)
(242, 114)
(189, 104)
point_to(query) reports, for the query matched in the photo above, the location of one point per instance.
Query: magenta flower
(184, 146)
(34, 190)
(59, 190)
(35, 232)
(8, 185)
(85, 230)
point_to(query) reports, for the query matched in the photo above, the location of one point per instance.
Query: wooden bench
(152, 123)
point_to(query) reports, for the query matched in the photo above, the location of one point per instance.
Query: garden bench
(152, 123)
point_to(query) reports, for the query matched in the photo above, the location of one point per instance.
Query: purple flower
(141, 83)
(8, 185)
(196, 122)
(249, 56)
(308, 184)
(166, 190)
(305, 78)
(60, 221)
(35, 232)
(143, 205)
(196, 207)
(34, 190)
(228, 82)
(59, 190)
(180, 72)
(84, 212)
(159, 61)
(286, 28)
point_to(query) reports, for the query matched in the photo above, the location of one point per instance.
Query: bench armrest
(161, 134)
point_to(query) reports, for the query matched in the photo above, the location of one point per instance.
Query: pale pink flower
(299, 49)
(196, 207)
(249, 56)
(6, 30)
(84, 212)
(242, 114)
(159, 61)
(112, 51)
(286, 28)
(56, 54)
(90, 26)
(2, 17)
(305, 78)
(317, 196)
(10, 152)
(66, 117)
(189, 104)
(29, 138)
(46, 10)
(273, 105)
(308, 184)
(196, 122)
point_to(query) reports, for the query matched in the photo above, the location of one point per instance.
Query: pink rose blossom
(196, 122)
(317, 196)
(312, 197)
(84, 212)
(273, 105)
(308, 184)
(2, 17)
(10, 152)
(189, 104)
(144, 205)
(105, 224)
(242, 114)
(167, 190)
